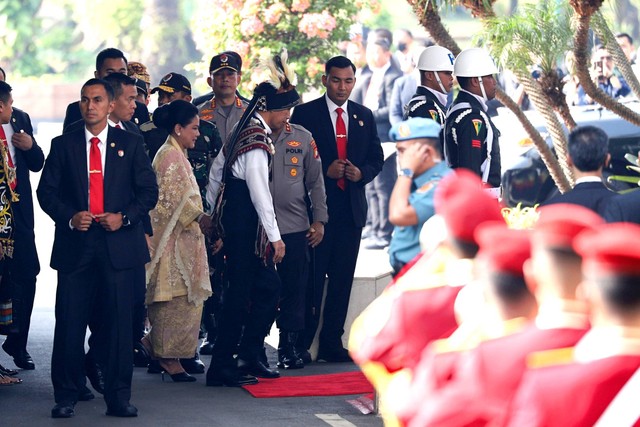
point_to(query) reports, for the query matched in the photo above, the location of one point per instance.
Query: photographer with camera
(602, 73)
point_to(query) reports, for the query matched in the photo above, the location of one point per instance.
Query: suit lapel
(79, 153)
(354, 129)
(111, 158)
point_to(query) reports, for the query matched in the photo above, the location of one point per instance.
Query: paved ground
(159, 404)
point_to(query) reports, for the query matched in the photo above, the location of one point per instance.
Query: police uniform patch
(207, 116)
(434, 115)
(293, 172)
(314, 147)
(294, 144)
(477, 125)
(294, 160)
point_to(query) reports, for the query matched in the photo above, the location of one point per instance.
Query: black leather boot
(287, 357)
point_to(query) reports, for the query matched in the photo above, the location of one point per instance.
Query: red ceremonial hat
(464, 205)
(560, 223)
(503, 249)
(610, 249)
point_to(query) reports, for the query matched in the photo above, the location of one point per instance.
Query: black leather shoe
(95, 375)
(206, 348)
(21, 358)
(340, 355)
(85, 395)
(228, 378)
(180, 377)
(305, 356)
(63, 410)
(154, 367)
(193, 365)
(257, 369)
(125, 410)
(140, 356)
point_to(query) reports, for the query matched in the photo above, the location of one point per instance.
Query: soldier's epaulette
(558, 356)
(146, 127)
(300, 128)
(463, 114)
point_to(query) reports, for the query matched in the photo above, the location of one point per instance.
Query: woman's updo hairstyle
(178, 112)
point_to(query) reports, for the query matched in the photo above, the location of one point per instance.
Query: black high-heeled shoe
(180, 377)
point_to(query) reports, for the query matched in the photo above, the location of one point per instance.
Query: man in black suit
(99, 244)
(374, 92)
(351, 157)
(108, 61)
(588, 148)
(23, 268)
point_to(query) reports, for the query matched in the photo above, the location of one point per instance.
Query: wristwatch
(406, 172)
(125, 220)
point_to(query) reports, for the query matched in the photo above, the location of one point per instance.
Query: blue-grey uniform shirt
(405, 243)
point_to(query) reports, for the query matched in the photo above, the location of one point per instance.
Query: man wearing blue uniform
(421, 169)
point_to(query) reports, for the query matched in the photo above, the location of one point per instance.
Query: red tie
(118, 126)
(96, 191)
(13, 181)
(341, 142)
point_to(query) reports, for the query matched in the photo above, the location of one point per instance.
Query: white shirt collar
(561, 313)
(590, 178)
(102, 136)
(608, 341)
(332, 105)
(442, 97)
(113, 124)
(479, 98)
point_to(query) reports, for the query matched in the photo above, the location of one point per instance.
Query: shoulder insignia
(146, 127)
(477, 125)
(463, 114)
(314, 147)
(287, 127)
(558, 356)
(434, 115)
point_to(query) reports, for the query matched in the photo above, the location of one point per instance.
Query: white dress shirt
(334, 117)
(252, 167)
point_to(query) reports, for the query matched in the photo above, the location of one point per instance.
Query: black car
(525, 178)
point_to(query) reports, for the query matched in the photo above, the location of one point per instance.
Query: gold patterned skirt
(174, 328)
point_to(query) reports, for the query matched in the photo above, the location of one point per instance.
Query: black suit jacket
(25, 263)
(623, 208)
(72, 115)
(381, 115)
(591, 195)
(129, 187)
(363, 149)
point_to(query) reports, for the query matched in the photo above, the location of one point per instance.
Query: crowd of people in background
(214, 218)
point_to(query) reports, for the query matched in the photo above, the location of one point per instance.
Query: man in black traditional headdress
(247, 224)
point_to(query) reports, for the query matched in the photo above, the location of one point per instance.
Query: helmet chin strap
(484, 93)
(440, 82)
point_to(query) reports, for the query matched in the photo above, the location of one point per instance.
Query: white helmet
(436, 58)
(474, 62)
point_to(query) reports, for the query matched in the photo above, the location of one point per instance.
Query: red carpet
(313, 385)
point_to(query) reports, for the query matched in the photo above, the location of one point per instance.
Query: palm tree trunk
(602, 29)
(582, 72)
(559, 169)
(430, 20)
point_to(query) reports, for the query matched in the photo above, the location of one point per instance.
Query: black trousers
(93, 286)
(378, 193)
(293, 272)
(22, 291)
(335, 260)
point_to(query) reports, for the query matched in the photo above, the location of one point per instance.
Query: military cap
(141, 87)
(225, 60)
(173, 82)
(503, 249)
(611, 249)
(464, 204)
(415, 128)
(139, 71)
(559, 224)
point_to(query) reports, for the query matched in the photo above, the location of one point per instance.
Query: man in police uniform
(411, 203)
(470, 138)
(176, 86)
(226, 107)
(225, 110)
(297, 171)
